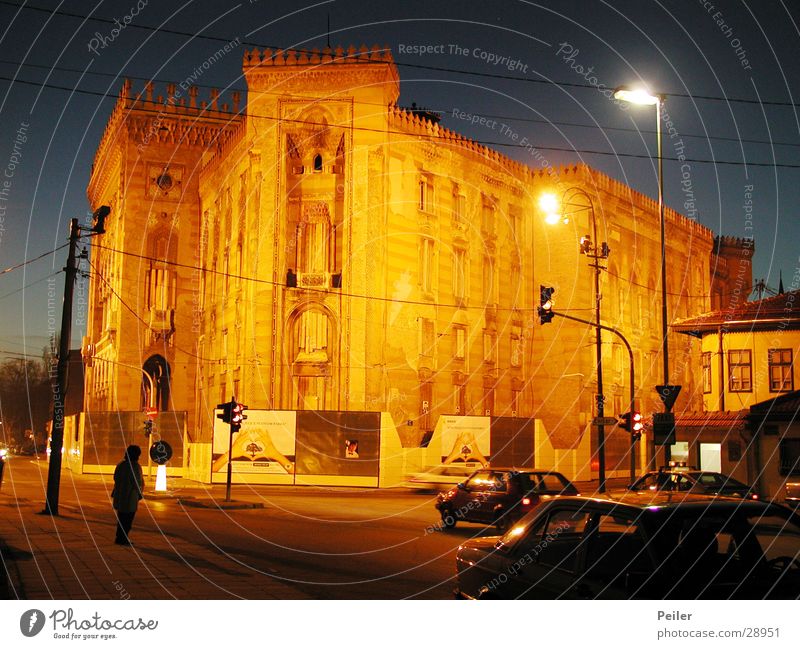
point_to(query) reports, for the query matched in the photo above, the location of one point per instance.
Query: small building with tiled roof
(748, 376)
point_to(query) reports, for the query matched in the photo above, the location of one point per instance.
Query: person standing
(127, 492)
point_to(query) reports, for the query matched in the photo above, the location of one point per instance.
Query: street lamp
(643, 97)
(552, 207)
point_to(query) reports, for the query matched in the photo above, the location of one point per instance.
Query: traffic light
(237, 416)
(148, 427)
(632, 422)
(226, 408)
(545, 303)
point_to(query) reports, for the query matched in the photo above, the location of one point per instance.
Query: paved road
(304, 543)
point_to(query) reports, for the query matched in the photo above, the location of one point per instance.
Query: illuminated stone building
(326, 249)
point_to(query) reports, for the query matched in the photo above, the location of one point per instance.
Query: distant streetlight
(643, 97)
(555, 210)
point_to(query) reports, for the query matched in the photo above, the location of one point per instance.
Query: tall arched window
(157, 369)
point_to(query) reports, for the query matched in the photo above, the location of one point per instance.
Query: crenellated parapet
(327, 55)
(600, 182)
(176, 116)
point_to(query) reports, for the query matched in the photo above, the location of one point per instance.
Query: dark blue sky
(729, 68)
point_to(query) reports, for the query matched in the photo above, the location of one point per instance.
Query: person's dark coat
(128, 485)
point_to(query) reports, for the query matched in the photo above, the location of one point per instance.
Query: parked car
(694, 481)
(638, 547)
(441, 477)
(500, 496)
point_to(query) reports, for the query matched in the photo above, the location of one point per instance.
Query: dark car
(694, 481)
(637, 547)
(500, 496)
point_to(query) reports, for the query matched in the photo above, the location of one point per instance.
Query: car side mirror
(462, 486)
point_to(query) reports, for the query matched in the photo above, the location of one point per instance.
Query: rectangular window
(740, 370)
(781, 377)
(426, 265)
(487, 217)
(706, 357)
(426, 194)
(516, 347)
(489, 281)
(488, 402)
(789, 450)
(515, 402)
(489, 347)
(459, 273)
(460, 395)
(428, 338)
(459, 343)
(459, 208)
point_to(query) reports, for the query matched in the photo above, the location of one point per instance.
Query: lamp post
(588, 247)
(644, 98)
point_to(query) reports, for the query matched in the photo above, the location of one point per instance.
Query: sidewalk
(72, 556)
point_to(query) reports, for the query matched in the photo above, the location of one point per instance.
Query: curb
(218, 504)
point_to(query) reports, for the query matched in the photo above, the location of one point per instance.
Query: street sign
(160, 452)
(605, 421)
(668, 394)
(151, 411)
(664, 428)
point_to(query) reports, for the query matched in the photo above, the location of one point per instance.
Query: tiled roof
(786, 407)
(780, 311)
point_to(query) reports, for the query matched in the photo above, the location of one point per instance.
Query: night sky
(540, 73)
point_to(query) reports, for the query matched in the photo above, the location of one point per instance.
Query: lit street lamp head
(639, 96)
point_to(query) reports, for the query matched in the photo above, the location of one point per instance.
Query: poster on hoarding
(465, 439)
(265, 443)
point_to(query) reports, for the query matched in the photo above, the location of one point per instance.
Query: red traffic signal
(545, 303)
(237, 415)
(632, 422)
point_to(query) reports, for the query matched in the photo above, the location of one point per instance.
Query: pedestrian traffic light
(148, 427)
(237, 416)
(226, 408)
(545, 303)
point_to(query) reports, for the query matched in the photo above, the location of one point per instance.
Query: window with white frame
(740, 370)
(780, 370)
(425, 185)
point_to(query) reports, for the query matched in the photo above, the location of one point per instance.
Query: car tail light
(578, 494)
(526, 501)
(754, 496)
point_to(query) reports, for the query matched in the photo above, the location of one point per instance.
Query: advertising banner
(265, 443)
(465, 439)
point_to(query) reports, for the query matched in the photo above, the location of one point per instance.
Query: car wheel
(448, 519)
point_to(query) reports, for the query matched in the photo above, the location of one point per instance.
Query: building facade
(749, 384)
(325, 249)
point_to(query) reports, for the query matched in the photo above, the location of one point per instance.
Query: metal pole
(59, 393)
(230, 454)
(664, 327)
(601, 431)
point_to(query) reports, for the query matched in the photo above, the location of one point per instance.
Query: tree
(25, 397)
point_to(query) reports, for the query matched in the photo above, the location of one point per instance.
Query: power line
(30, 261)
(489, 75)
(429, 136)
(509, 118)
(22, 288)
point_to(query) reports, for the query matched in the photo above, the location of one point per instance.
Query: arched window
(156, 388)
(317, 163)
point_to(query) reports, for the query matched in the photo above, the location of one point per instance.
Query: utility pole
(59, 392)
(60, 389)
